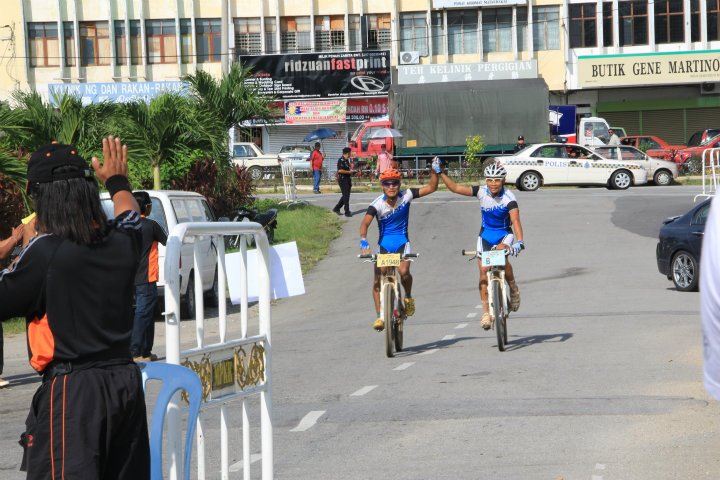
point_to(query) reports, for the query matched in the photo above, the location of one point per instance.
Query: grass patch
(313, 228)
(13, 327)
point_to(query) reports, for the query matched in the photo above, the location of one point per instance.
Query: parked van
(170, 208)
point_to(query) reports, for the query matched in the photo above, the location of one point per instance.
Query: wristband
(117, 183)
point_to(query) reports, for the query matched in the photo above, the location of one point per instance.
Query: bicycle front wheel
(388, 303)
(499, 315)
(399, 320)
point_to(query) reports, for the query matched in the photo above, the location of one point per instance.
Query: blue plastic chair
(174, 378)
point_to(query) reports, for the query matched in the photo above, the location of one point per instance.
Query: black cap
(55, 155)
(520, 137)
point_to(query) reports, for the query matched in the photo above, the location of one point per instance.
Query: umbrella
(319, 134)
(386, 132)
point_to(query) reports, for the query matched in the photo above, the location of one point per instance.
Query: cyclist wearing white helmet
(500, 226)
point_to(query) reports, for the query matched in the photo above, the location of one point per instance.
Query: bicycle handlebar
(372, 256)
(473, 253)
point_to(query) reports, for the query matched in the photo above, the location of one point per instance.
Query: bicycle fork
(497, 280)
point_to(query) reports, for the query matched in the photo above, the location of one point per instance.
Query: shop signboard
(663, 68)
(466, 72)
(475, 3)
(320, 75)
(362, 109)
(117, 92)
(311, 112)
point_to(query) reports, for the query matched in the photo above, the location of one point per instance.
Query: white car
(662, 172)
(568, 164)
(168, 209)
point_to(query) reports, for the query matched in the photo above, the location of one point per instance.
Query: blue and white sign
(117, 92)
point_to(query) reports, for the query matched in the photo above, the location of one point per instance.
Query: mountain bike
(392, 307)
(498, 290)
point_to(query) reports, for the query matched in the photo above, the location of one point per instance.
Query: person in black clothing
(344, 172)
(520, 144)
(74, 283)
(146, 278)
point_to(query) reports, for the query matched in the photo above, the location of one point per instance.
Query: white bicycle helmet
(495, 170)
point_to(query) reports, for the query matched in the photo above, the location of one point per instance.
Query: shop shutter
(630, 121)
(666, 124)
(280, 135)
(700, 119)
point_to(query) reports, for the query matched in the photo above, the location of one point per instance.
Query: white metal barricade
(710, 170)
(288, 175)
(232, 369)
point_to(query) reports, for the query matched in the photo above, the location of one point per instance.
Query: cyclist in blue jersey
(500, 226)
(392, 210)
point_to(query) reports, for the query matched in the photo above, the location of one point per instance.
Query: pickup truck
(250, 156)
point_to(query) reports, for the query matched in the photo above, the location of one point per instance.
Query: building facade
(638, 62)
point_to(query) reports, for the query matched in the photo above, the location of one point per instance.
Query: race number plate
(388, 260)
(493, 258)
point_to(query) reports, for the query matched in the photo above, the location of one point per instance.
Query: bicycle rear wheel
(498, 313)
(388, 303)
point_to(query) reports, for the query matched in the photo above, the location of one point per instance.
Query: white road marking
(428, 352)
(461, 326)
(236, 467)
(363, 391)
(308, 420)
(478, 306)
(472, 315)
(599, 466)
(596, 477)
(448, 337)
(404, 366)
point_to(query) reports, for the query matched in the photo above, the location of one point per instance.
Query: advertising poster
(303, 112)
(320, 75)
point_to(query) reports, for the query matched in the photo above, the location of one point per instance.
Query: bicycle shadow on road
(427, 347)
(522, 342)
(23, 379)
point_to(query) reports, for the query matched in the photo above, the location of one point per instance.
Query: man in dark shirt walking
(74, 283)
(146, 278)
(344, 172)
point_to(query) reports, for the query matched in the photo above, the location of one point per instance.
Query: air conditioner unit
(409, 58)
(710, 88)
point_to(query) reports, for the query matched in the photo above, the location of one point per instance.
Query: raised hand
(114, 159)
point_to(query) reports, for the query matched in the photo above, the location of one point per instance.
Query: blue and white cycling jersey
(393, 221)
(495, 211)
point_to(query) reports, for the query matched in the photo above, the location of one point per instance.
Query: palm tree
(167, 128)
(231, 99)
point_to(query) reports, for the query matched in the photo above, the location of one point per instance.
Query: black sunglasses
(391, 183)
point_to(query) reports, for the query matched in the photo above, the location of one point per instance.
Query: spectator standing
(613, 139)
(344, 178)
(6, 248)
(74, 283)
(316, 163)
(520, 144)
(146, 278)
(710, 300)
(385, 161)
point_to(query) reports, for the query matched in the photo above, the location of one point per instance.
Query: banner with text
(475, 3)
(303, 112)
(118, 92)
(649, 69)
(466, 72)
(318, 75)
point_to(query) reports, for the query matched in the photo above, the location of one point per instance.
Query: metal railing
(227, 371)
(710, 165)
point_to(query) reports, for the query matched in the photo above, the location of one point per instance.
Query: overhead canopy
(442, 114)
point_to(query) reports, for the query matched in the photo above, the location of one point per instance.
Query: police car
(569, 164)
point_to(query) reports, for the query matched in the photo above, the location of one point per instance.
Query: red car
(654, 146)
(682, 157)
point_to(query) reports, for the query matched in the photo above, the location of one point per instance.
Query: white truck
(258, 163)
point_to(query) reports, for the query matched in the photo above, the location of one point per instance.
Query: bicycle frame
(496, 277)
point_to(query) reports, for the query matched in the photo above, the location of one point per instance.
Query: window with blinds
(248, 39)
